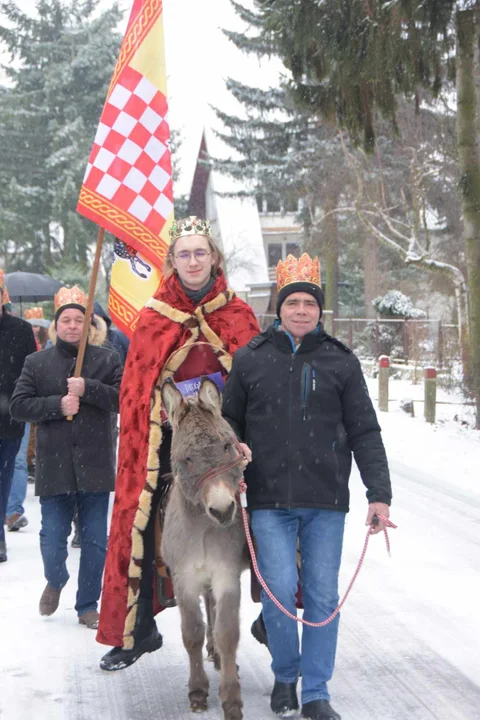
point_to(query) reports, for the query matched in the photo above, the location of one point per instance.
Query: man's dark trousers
(8, 452)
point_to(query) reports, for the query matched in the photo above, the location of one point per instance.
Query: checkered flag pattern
(130, 163)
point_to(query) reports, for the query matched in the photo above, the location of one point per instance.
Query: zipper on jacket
(305, 386)
(337, 471)
(290, 384)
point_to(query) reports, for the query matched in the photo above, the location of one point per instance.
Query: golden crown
(6, 297)
(190, 226)
(292, 270)
(35, 313)
(70, 296)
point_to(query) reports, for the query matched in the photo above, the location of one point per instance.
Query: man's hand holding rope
(376, 512)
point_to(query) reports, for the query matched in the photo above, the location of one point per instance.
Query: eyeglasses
(185, 255)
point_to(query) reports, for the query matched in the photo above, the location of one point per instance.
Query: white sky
(199, 59)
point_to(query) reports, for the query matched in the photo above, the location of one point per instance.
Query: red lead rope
(243, 502)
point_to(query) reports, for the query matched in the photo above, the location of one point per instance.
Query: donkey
(203, 541)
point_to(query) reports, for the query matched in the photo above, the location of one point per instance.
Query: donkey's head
(205, 459)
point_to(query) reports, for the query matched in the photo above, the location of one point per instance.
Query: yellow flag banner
(127, 187)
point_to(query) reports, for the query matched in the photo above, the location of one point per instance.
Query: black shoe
(259, 631)
(319, 710)
(146, 636)
(118, 658)
(283, 700)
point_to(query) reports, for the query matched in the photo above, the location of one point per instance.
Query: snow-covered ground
(409, 635)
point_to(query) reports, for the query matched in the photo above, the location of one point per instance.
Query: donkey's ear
(209, 396)
(172, 398)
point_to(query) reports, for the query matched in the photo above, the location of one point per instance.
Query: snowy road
(409, 635)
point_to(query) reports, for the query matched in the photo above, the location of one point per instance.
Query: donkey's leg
(193, 633)
(212, 653)
(226, 588)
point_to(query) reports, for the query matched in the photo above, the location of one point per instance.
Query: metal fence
(405, 341)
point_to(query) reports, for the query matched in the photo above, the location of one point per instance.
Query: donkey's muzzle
(223, 517)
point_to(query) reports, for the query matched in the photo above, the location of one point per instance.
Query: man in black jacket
(298, 402)
(16, 342)
(75, 459)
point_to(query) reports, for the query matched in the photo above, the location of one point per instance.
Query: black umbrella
(30, 287)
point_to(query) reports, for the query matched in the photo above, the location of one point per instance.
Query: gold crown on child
(190, 226)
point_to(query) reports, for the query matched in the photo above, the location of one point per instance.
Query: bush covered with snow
(397, 305)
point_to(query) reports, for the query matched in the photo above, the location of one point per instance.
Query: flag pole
(89, 310)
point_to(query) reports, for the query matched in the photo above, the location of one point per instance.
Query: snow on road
(409, 635)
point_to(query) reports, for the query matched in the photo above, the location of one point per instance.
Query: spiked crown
(69, 297)
(190, 226)
(302, 275)
(6, 297)
(35, 313)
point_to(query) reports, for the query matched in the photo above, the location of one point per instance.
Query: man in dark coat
(75, 458)
(297, 400)
(16, 342)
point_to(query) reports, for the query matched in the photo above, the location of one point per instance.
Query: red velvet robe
(228, 320)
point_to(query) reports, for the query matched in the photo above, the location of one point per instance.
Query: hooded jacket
(303, 413)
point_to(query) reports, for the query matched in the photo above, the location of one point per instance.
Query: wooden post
(88, 312)
(440, 345)
(328, 321)
(430, 396)
(383, 376)
(406, 339)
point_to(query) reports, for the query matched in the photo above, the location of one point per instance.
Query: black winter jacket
(16, 342)
(78, 455)
(303, 414)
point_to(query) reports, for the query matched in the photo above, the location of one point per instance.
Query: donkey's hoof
(232, 710)
(198, 701)
(214, 658)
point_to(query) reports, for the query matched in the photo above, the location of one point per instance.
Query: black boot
(259, 631)
(283, 700)
(319, 710)
(147, 640)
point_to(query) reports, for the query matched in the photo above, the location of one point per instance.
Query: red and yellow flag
(127, 187)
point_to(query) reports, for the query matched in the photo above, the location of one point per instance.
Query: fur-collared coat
(170, 322)
(77, 455)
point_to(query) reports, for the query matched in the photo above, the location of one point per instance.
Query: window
(291, 205)
(293, 249)
(274, 253)
(273, 204)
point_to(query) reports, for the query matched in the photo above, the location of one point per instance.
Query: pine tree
(351, 60)
(63, 59)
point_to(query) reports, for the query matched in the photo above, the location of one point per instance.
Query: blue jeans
(57, 516)
(8, 450)
(321, 539)
(18, 491)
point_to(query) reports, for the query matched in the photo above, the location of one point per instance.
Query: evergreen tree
(62, 62)
(350, 59)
